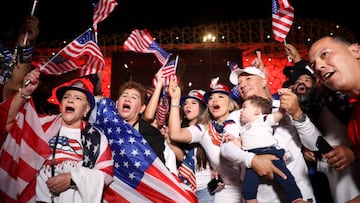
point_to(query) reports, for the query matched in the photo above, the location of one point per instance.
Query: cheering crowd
(71, 144)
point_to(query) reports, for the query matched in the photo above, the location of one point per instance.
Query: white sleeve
(233, 129)
(89, 183)
(197, 131)
(233, 153)
(308, 133)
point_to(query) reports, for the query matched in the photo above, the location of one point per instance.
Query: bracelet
(23, 95)
(25, 53)
(177, 106)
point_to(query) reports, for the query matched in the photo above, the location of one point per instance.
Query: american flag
(26, 149)
(187, 168)
(140, 176)
(162, 108)
(282, 19)
(235, 95)
(102, 9)
(82, 54)
(140, 41)
(169, 70)
(232, 65)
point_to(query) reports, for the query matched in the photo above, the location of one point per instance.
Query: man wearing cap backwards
(78, 162)
(252, 81)
(331, 114)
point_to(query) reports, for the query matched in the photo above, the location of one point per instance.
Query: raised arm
(151, 107)
(307, 131)
(23, 95)
(176, 133)
(292, 52)
(24, 54)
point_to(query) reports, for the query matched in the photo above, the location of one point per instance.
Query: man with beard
(329, 111)
(304, 86)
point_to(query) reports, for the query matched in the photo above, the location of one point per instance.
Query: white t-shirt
(68, 156)
(258, 133)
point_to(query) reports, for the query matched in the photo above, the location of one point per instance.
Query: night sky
(68, 18)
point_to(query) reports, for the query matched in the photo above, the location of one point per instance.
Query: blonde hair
(206, 115)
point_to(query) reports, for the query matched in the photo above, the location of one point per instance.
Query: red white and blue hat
(195, 94)
(79, 84)
(217, 88)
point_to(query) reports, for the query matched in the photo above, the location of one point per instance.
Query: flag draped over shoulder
(140, 41)
(82, 54)
(24, 152)
(282, 19)
(140, 176)
(26, 148)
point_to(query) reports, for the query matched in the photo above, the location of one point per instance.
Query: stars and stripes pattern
(26, 149)
(140, 176)
(282, 19)
(235, 94)
(82, 54)
(169, 70)
(162, 109)
(102, 10)
(232, 65)
(141, 41)
(187, 168)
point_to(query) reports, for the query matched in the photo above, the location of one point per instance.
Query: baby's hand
(231, 138)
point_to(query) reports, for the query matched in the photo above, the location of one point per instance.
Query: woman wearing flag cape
(53, 158)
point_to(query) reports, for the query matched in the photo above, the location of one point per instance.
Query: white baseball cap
(234, 75)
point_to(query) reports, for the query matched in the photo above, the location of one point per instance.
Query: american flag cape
(282, 19)
(140, 176)
(82, 54)
(140, 41)
(25, 150)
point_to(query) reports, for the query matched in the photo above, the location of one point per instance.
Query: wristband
(177, 106)
(25, 53)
